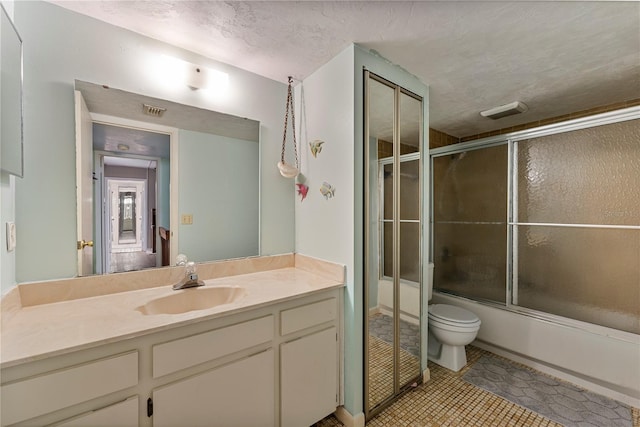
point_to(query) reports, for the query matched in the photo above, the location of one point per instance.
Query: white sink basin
(193, 299)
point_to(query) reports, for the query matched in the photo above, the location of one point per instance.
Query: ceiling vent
(153, 111)
(505, 110)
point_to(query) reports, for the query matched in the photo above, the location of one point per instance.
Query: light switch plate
(11, 236)
(187, 219)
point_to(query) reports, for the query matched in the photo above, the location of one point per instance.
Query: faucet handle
(191, 271)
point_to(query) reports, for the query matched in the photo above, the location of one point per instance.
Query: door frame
(85, 227)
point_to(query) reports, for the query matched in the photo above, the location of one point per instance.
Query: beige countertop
(57, 326)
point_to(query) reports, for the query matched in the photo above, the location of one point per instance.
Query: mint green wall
(61, 46)
(333, 229)
(225, 206)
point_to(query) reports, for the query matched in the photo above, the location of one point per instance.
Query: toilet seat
(453, 316)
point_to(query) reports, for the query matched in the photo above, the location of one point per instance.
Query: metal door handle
(83, 243)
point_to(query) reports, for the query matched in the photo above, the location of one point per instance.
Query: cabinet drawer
(306, 316)
(121, 414)
(194, 350)
(49, 392)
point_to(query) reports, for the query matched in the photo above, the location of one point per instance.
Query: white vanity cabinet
(274, 365)
(285, 371)
(243, 377)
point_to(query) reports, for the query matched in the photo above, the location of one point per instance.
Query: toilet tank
(429, 281)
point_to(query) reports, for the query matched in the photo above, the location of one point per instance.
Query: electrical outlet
(187, 219)
(11, 236)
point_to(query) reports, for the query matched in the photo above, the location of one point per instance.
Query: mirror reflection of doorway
(126, 215)
(138, 155)
(129, 208)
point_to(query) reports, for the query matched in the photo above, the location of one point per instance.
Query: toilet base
(453, 357)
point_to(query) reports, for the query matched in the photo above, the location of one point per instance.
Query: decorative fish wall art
(302, 190)
(327, 190)
(316, 147)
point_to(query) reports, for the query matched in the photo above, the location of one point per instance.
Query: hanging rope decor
(287, 170)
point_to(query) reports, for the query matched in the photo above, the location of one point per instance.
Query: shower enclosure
(544, 222)
(393, 240)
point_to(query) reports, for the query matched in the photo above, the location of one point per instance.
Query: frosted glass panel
(471, 186)
(588, 176)
(470, 227)
(470, 260)
(586, 274)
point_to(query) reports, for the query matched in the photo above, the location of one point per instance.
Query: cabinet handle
(149, 407)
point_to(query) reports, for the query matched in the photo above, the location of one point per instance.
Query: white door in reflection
(126, 215)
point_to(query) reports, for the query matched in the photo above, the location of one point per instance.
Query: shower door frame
(512, 139)
(398, 389)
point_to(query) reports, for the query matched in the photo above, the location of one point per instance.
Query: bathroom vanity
(270, 357)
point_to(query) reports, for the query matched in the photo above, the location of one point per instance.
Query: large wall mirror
(10, 96)
(157, 179)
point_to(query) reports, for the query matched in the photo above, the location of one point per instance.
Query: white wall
(332, 229)
(325, 227)
(61, 46)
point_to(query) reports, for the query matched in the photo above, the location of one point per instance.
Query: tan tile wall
(385, 149)
(441, 139)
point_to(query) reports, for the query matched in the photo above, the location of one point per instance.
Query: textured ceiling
(557, 57)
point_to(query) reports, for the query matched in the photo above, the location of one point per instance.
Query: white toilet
(450, 329)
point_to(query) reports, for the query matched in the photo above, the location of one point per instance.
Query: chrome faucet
(190, 279)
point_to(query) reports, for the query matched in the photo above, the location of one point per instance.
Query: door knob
(83, 243)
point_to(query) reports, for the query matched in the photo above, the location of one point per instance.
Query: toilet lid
(452, 313)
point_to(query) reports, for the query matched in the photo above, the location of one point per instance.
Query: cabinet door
(309, 378)
(240, 394)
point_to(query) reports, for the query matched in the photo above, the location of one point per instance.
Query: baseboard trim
(426, 375)
(347, 419)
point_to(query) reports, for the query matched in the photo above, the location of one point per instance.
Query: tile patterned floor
(447, 400)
